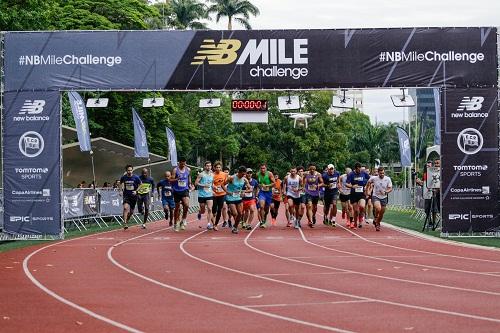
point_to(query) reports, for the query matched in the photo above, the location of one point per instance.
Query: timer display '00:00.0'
(249, 105)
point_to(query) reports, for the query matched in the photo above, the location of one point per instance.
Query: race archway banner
(39, 65)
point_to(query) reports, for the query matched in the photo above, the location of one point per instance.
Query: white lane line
(293, 274)
(66, 301)
(303, 304)
(396, 261)
(416, 307)
(214, 300)
(405, 263)
(437, 240)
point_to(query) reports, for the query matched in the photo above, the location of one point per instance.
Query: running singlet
(292, 187)
(206, 179)
(277, 190)
(330, 182)
(130, 184)
(235, 187)
(219, 180)
(147, 185)
(250, 195)
(182, 180)
(312, 182)
(358, 179)
(343, 187)
(264, 180)
(166, 188)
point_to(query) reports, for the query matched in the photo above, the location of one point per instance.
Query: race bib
(168, 193)
(236, 195)
(129, 186)
(295, 188)
(312, 187)
(144, 188)
(219, 189)
(248, 194)
(182, 183)
(276, 191)
(333, 185)
(358, 189)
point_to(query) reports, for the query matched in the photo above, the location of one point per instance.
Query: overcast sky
(316, 14)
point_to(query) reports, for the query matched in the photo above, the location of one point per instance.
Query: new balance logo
(32, 107)
(223, 53)
(471, 104)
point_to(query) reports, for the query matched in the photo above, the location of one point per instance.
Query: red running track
(276, 279)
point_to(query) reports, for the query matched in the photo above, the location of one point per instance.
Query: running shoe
(183, 225)
(332, 223)
(311, 225)
(176, 227)
(199, 216)
(229, 224)
(377, 227)
(262, 224)
(125, 227)
(224, 224)
(234, 230)
(273, 221)
(289, 224)
(209, 226)
(353, 225)
(368, 221)
(325, 221)
(360, 225)
(248, 227)
(143, 226)
(314, 219)
(215, 228)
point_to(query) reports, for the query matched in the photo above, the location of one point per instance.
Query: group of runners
(244, 196)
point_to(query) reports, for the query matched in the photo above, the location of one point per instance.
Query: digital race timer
(249, 105)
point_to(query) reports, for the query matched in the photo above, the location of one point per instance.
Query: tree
(239, 10)
(186, 13)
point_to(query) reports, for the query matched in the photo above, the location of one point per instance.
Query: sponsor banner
(404, 147)
(80, 116)
(111, 202)
(80, 203)
(31, 163)
(140, 138)
(470, 160)
(250, 59)
(172, 147)
(72, 60)
(295, 59)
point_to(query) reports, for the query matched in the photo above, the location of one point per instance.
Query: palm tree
(186, 14)
(239, 10)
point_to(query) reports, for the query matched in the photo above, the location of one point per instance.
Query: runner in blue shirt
(129, 184)
(165, 192)
(331, 182)
(181, 179)
(356, 181)
(204, 182)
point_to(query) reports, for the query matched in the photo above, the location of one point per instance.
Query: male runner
(344, 198)
(144, 193)
(204, 182)
(249, 200)
(181, 178)
(302, 206)
(220, 178)
(129, 184)
(266, 183)
(291, 186)
(226, 214)
(234, 190)
(165, 192)
(285, 200)
(312, 182)
(277, 198)
(382, 185)
(356, 181)
(330, 180)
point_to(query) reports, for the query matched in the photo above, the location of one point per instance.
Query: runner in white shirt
(382, 185)
(344, 197)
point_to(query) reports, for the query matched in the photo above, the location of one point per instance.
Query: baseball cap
(249, 170)
(330, 166)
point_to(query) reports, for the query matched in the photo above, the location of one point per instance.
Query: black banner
(32, 165)
(470, 160)
(251, 59)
